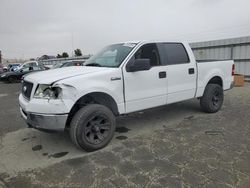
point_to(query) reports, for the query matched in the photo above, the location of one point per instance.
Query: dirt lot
(171, 146)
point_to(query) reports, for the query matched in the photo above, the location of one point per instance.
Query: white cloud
(32, 28)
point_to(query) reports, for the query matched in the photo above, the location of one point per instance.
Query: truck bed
(209, 69)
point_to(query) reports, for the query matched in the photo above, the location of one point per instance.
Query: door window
(174, 53)
(36, 68)
(25, 69)
(33, 65)
(25, 65)
(149, 51)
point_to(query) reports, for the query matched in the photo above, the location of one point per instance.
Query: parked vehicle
(5, 68)
(120, 79)
(34, 64)
(11, 67)
(13, 77)
(68, 64)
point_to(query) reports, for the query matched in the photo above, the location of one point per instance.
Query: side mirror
(138, 65)
(21, 70)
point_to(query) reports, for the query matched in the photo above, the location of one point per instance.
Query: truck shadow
(128, 126)
(30, 148)
(136, 123)
(157, 117)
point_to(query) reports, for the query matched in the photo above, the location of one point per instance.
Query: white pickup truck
(120, 79)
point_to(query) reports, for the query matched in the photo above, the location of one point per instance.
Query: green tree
(59, 56)
(65, 54)
(78, 52)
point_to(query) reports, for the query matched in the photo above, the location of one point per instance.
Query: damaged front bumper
(45, 122)
(49, 116)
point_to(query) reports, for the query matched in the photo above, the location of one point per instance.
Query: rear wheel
(92, 127)
(12, 79)
(212, 99)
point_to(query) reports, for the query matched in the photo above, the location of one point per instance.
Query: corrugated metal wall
(237, 49)
(213, 53)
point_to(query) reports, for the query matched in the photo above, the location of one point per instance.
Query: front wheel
(92, 127)
(212, 99)
(12, 79)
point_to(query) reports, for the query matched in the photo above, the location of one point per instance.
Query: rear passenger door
(181, 72)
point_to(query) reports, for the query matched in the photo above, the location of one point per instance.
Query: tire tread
(205, 102)
(75, 123)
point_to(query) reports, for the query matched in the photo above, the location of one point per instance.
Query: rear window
(175, 53)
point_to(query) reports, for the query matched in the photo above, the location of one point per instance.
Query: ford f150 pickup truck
(120, 79)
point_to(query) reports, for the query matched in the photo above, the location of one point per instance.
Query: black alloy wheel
(12, 79)
(212, 99)
(92, 127)
(96, 129)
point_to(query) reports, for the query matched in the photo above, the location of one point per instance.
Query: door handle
(191, 71)
(162, 74)
(115, 78)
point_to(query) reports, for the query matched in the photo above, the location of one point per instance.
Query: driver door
(148, 88)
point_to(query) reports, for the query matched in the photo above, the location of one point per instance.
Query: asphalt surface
(10, 119)
(171, 146)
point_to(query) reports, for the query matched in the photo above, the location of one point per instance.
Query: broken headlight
(47, 92)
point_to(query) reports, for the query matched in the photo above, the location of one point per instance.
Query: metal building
(237, 49)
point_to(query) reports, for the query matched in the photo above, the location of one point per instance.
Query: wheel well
(216, 80)
(93, 98)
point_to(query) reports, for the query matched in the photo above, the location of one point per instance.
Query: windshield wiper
(93, 64)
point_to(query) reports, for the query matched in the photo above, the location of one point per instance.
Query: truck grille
(26, 89)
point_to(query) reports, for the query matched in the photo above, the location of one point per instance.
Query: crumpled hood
(54, 75)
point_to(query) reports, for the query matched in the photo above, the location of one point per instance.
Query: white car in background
(27, 64)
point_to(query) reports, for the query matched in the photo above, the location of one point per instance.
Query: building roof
(222, 42)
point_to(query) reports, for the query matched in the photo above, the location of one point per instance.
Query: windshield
(23, 69)
(58, 65)
(111, 56)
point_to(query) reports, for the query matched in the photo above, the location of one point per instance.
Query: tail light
(233, 70)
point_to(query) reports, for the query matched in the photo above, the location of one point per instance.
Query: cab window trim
(164, 54)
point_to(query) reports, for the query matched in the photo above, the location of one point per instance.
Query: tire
(92, 127)
(12, 79)
(212, 99)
